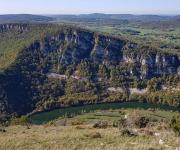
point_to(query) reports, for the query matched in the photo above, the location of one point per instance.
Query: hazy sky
(90, 6)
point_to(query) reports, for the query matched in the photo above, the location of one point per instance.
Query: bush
(141, 122)
(122, 123)
(101, 124)
(126, 132)
(175, 124)
(23, 120)
(77, 122)
(79, 127)
(147, 132)
(4, 120)
(154, 85)
(2, 130)
(94, 135)
(61, 122)
(115, 124)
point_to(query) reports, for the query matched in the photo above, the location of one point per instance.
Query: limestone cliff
(78, 53)
(73, 46)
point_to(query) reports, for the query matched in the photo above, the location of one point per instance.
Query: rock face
(19, 27)
(73, 46)
(83, 56)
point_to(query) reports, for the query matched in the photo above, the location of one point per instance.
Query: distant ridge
(23, 18)
(118, 17)
(30, 18)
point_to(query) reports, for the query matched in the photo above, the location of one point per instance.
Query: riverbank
(44, 117)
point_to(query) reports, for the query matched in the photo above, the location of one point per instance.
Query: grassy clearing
(151, 35)
(14, 41)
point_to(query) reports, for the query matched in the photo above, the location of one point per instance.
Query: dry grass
(73, 138)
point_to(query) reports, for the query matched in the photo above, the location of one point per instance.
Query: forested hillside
(47, 66)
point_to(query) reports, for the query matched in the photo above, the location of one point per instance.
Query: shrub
(101, 124)
(154, 85)
(122, 112)
(23, 120)
(141, 122)
(77, 122)
(94, 135)
(175, 124)
(122, 123)
(62, 122)
(2, 130)
(126, 132)
(151, 148)
(115, 124)
(80, 127)
(148, 132)
(4, 120)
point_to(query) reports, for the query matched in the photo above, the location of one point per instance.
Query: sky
(90, 6)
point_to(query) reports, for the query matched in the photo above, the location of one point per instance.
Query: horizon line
(160, 14)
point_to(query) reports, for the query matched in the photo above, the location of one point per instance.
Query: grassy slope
(12, 42)
(80, 136)
(65, 138)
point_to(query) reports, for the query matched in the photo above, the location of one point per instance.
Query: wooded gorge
(46, 66)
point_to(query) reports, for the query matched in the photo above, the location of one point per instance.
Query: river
(44, 117)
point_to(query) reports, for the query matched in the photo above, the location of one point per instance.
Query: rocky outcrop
(18, 27)
(73, 46)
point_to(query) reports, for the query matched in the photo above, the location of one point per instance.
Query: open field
(168, 40)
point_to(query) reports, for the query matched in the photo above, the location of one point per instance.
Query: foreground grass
(78, 133)
(76, 137)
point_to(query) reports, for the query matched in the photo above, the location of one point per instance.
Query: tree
(84, 69)
(103, 72)
(154, 85)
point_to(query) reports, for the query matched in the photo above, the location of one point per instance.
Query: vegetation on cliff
(85, 64)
